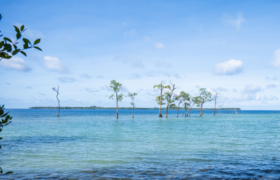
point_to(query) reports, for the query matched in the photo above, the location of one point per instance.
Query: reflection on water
(87, 144)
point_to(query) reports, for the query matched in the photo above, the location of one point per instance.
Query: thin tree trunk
(214, 108)
(58, 104)
(177, 112)
(219, 112)
(133, 112)
(188, 112)
(117, 109)
(185, 112)
(200, 114)
(167, 112)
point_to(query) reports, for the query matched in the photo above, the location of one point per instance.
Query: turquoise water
(86, 144)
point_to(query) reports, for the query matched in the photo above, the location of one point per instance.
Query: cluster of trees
(183, 100)
(169, 98)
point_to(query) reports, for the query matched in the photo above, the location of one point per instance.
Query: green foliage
(205, 95)
(132, 96)
(117, 87)
(8, 48)
(5, 120)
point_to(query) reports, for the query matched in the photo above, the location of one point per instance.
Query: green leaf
(26, 41)
(7, 47)
(1, 138)
(18, 35)
(15, 51)
(37, 48)
(22, 28)
(25, 46)
(15, 46)
(22, 52)
(36, 41)
(1, 44)
(9, 172)
(17, 29)
(7, 39)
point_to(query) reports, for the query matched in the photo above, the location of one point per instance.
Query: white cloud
(251, 89)
(271, 86)
(158, 45)
(67, 79)
(134, 62)
(276, 62)
(15, 63)
(91, 90)
(230, 67)
(54, 64)
(86, 76)
(234, 21)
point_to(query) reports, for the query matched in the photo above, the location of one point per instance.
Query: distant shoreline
(92, 107)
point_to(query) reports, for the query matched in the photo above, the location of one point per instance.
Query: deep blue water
(87, 144)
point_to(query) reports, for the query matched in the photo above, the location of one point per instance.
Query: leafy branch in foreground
(5, 120)
(9, 48)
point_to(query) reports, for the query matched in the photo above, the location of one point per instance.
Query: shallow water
(87, 144)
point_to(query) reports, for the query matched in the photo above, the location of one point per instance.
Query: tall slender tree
(215, 98)
(186, 101)
(132, 96)
(168, 96)
(179, 99)
(194, 101)
(58, 101)
(205, 96)
(117, 87)
(160, 98)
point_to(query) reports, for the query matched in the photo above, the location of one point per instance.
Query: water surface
(86, 144)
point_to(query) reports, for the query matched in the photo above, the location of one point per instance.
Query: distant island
(96, 107)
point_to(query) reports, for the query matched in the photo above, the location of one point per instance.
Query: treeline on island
(155, 108)
(180, 101)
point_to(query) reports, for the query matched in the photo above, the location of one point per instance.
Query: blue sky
(228, 46)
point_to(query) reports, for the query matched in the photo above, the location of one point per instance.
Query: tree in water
(57, 93)
(180, 99)
(116, 86)
(215, 98)
(186, 101)
(204, 96)
(132, 96)
(160, 98)
(194, 101)
(168, 96)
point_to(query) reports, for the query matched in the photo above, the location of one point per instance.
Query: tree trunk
(58, 104)
(201, 110)
(117, 109)
(167, 112)
(188, 112)
(219, 112)
(185, 112)
(133, 112)
(177, 112)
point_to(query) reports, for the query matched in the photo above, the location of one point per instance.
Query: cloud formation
(276, 61)
(86, 76)
(134, 62)
(230, 67)
(66, 79)
(91, 90)
(158, 45)
(234, 21)
(251, 89)
(15, 63)
(54, 64)
(271, 86)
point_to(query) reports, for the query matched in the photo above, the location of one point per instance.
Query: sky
(227, 46)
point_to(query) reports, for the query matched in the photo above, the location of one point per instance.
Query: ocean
(93, 144)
